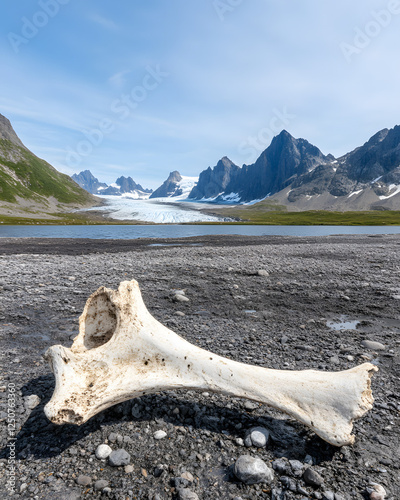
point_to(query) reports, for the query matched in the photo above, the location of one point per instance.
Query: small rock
(180, 313)
(160, 435)
(259, 436)
(297, 467)
(128, 469)
(84, 480)
(112, 437)
(374, 346)
(103, 451)
(328, 495)
(249, 405)
(23, 487)
(30, 402)
(186, 475)
(281, 466)
(263, 272)
(119, 457)
(252, 470)
(334, 360)
(180, 298)
(312, 478)
(100, 484)
(186, 494)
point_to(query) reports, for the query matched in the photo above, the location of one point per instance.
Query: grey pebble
(180, 298)
(30, 402)
(84, 480)
(100, 484)
(186, 494)
(119, 457)
(252, 470)
(312, 477)
(374, 346)
(257, 436)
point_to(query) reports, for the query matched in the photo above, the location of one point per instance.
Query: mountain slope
(213, 181)
(89, 182)
(122, 186)
(364, 179)
(176, 186)
(284, 160)
(29, 183)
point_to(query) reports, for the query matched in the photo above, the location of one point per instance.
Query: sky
(142, 88)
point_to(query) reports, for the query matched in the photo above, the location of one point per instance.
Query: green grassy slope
(29, 177)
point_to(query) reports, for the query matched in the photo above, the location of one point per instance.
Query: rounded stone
(160, 435)
(119, 457)
(312, 478)
(259, 436)
(84, 480)
(263, 272)
(30, 402)
(252, 470)
(103, 451)
(100, 484)
(374, 346)
(180, 298)
(186, 494)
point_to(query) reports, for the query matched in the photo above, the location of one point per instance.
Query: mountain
(122, 186)
(89, 182)
(176, 186)
(296, 174)
(364, 179)
(30, 185)
(279, 165)
(213, 181)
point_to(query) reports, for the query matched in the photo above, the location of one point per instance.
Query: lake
(182, 231)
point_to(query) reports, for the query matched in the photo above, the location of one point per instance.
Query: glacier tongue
(162, 211)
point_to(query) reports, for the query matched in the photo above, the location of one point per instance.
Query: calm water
(182, 231)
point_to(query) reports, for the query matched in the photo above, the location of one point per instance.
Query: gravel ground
(276, 318)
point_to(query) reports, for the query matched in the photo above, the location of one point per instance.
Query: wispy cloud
(102, 21)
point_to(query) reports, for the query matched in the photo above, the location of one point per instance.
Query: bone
(123, 352)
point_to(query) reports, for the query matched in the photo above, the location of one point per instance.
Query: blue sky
(142, 88)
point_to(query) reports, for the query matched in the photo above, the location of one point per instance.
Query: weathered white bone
(122, 352)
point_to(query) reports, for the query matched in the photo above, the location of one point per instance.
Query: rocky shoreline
(278, 302)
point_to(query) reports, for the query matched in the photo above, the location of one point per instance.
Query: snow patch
(253, 202)
(376, 180)
(396, 191)
(231, 197)
(186, 184)
(355, 193)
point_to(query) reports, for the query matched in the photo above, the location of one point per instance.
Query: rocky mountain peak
(8, 133)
